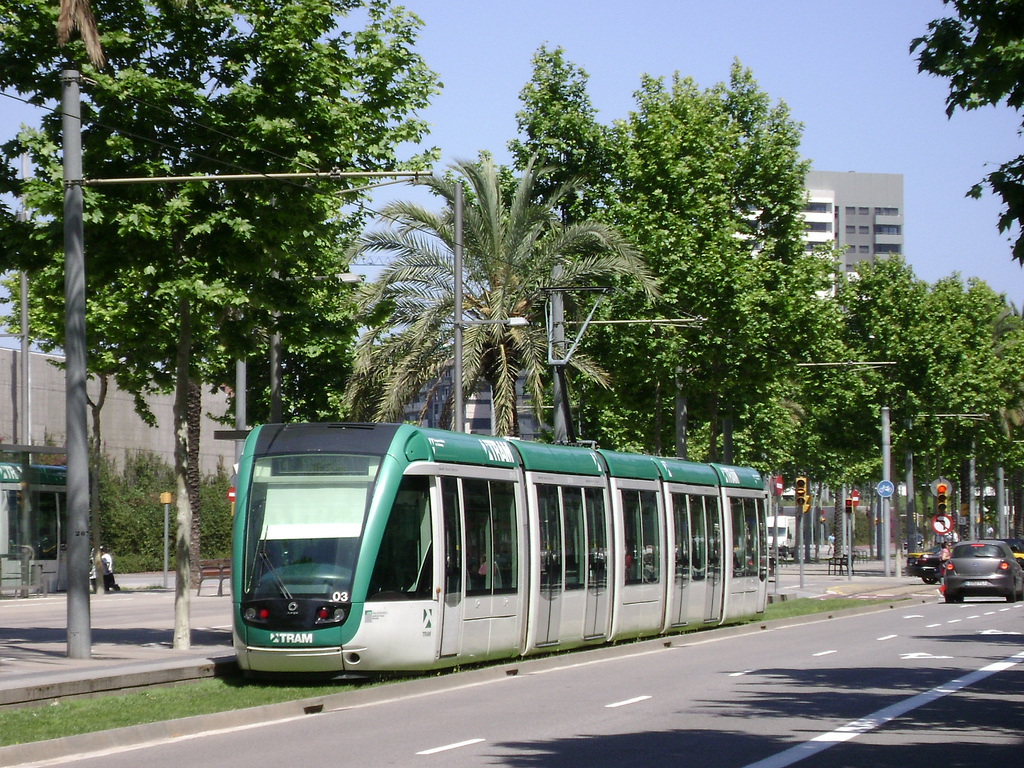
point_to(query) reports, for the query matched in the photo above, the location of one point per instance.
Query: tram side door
(598, 608)
(681, 587)
(451, 530)
(715, 574)
(549, 606)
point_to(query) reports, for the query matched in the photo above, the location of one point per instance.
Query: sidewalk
(133, 630)
(132, 633)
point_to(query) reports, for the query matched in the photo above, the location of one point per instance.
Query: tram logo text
(277, 638)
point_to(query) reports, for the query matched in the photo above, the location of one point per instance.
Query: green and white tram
(366, 548)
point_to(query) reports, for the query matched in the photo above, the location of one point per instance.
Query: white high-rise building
(861, 213)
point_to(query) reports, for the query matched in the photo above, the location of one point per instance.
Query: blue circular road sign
(885, 489)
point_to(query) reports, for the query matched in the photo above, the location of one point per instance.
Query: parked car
(1017, 545)
(983, 568)
(927, 565)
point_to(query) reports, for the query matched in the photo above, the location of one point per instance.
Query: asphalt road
(922, 684)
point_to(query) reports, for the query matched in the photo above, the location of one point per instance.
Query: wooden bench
(214, 569)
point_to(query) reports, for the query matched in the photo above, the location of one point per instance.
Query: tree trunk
(183, 539)
(195, 414)
(94, 481)
(682, 416)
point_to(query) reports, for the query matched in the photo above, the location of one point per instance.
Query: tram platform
(132, 631)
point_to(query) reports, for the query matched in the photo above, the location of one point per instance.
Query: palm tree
(76, 14)
(511, 246)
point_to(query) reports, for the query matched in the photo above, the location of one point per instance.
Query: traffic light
(803, 495)
(942, 498)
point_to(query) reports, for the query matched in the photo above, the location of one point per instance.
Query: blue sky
(843, 69)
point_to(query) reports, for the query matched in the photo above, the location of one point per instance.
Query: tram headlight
(256, 614)
(326, 614)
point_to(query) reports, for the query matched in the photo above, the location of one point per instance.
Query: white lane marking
(954, 621)
(887, 637)
(996, 632)
(914, 616)
(825, 653)
(634, 700)
(990, 613)
(912, 656)
(877, 719)
(740, 674)
(446, 747)
(929, 626)
(975, 616)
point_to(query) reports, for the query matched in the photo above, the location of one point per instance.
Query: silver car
(983, 569)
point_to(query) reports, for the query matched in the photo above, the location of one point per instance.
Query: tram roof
(680, 471)
(423, 444)
(561, 459)
(630, 465)
(739, 477)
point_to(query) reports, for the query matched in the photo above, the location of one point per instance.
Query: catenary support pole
(79, 636)
(458, 412)
(886, 527)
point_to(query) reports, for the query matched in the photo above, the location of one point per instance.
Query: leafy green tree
(511, 246)
(559, 130)
(196, 275)
(977, 50)
(709, 184)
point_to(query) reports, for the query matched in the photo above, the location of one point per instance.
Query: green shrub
(132, 517)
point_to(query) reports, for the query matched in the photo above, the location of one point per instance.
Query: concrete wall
(122, 429)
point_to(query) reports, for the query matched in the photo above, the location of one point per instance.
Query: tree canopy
(978, 51)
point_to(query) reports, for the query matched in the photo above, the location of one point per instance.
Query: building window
(863, 210)
(850, 229)
(887, 248)
(888, 229)
(819, 208)
(819, 226)
(865, 230)
(864, 249)
(887, 211)
(850, 210)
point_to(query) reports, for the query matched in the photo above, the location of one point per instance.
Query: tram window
(681, 518)
(479, 557)
(643, 536)
(744, 545)
(597, 537)
(572, 511)
(698, 538)
(452, 536)
(491, 548)
(550, 538)
(714, 533)
(506, 542)
(403, 566)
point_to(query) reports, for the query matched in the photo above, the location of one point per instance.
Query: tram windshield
(305, 522)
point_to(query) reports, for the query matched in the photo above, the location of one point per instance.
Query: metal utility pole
(25, 415)
(79, 640)
(908, 468)
(564, 431)
(886, 531)
(459, 415)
